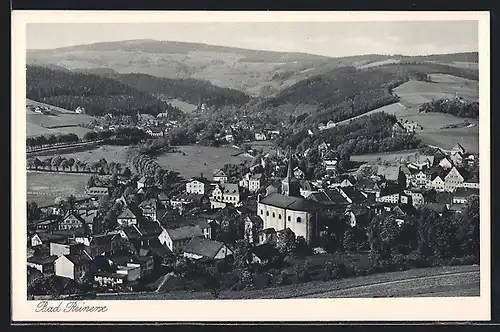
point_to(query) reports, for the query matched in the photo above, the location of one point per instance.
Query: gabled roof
(257, 176)
(231, 189)
(42, 259)
(219, 173)
(132, 232)
(307, 185)
(398, 125)
(127, 214)
(80, 258)
(330, 155)
(152, 202)
(203, 247)
(200, 179)
(354, 194)
(185, 232)
(289, 202)
(102, 239)
(75, 215)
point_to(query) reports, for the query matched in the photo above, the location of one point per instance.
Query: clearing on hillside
(379, 63)
(183, 106)
(62, 121)
(199, 159)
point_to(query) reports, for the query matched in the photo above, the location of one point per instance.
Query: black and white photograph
(193, 160)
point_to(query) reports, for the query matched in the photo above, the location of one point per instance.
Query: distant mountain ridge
(255, 72)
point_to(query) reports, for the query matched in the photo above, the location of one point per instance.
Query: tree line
(98, 95)
(51, 139)
(59, 163)
(456, 107)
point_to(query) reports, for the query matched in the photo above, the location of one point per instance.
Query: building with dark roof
(198, 248)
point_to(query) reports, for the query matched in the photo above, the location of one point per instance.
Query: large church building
(290, 210)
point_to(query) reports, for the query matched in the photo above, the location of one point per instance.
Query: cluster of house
(405, 127)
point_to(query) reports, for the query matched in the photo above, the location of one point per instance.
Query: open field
(435, 281)
(108, 152)
(396, 109)
(199, 159)
(43, 188)
(66, 121)
(379, 63)
(183, 106)
(384, 157)
(447, 138)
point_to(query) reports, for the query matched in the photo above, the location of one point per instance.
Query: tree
(468, 228)
(401, 181)
(33, 212)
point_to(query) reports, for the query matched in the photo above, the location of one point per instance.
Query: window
(289, 218)
(267, 213)
(274, 215)
(279, 216)
(299, 219)
(261, 212)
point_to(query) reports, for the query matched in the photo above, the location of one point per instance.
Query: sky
(323, 38)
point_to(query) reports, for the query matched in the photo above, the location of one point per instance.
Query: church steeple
(290, 185)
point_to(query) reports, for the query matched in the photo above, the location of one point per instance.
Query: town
(264, 223)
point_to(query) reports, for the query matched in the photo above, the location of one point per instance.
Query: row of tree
(59, 163)
(51, 139)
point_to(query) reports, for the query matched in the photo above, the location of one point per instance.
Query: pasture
(199, 159)
(183, 106)
(447, 138)
(379, 63)
(390, 157)
(44, 188)
(64, 121)
(108, 152)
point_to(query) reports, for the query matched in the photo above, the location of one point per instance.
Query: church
(289, 209)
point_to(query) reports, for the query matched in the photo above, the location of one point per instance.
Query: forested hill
(191, 91)
(345, 92)
(97, 94)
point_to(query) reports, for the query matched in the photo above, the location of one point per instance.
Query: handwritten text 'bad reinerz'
(72, 306)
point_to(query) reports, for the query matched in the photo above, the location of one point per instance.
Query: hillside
(255, 72)
(98, 95)
(188, 90)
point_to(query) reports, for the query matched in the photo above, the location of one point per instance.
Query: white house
(74, 266)
(198, 185)
(177, 238)
(260, 137)
(298, 173)
(445, 163)
(225, 193)
(220, 176)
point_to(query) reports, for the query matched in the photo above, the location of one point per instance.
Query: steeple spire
(289, 173)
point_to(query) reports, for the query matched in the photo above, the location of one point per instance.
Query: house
(445, 163)
(282, 211)
(44, 264)
(163, 198)
(358, 216)
(252, 225)
(177, 238)
(420, 179)
(298, 173)
(461, 195)
(307, 188)
(127, 218)
(260, 137)
(145, 263)
(91, 218)
(323, 148)
(72, 220)
(368, 186)
(471, 180)
(80, 110)
(225, 193)
(50, 223)
(436, 183)
(73, 266)
(110, 279)
(264, 254)
(155, 132)
(398, 129)
(105, 243)
(352, 194)
(98, 191)
(198, 248)
(346, 183)
(330, 124)
(198, 185)
(145, 182)
(458, 148)
(150, 208)
(42, 238)
(229, 138)
(252, 182)
(417, 197)
(330, 161)
(329, 198)
(453, 179)
(266, 235)
(220, 176)
(184, 200)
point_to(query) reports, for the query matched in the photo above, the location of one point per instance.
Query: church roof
(289, 202)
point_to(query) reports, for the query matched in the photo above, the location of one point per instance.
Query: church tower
(290, 186)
